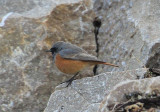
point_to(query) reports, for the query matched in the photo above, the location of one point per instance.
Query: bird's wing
(74, 54)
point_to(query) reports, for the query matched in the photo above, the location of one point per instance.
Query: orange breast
(69, 66)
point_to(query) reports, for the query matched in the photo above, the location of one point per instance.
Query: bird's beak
(48, 51)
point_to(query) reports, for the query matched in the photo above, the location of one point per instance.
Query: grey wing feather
(76, 54)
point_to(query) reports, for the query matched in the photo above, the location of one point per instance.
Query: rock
(31, 8)
(129, 35)
(87, 94)
(117, 94)
(28, 28)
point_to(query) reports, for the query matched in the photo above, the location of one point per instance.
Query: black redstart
(71, 59)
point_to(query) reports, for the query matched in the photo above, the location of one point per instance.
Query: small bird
(71, 59)
(97, 24)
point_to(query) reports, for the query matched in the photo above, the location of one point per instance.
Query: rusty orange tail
(101, 62)
(109, 64)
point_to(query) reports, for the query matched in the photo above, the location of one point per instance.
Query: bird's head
(58, 46)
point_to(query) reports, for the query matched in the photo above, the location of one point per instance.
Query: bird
(71, 59)
(97, 24)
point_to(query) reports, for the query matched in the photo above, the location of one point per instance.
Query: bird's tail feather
(104, 63)
(109, 64)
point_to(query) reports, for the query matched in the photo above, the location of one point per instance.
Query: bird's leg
(70, 80)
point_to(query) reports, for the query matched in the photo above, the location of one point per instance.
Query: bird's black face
(57, 47)
(53, 50)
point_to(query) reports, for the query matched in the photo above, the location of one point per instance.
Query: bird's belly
(69, 66)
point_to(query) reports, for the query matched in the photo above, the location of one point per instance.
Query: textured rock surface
(85, 95)
(117, 94)
(129, 35)
(27, 29)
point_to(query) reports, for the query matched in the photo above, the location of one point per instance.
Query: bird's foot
(68, 82)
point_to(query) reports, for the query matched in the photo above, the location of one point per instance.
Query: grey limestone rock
(27, 29)
(129, 35)
(86, 95)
